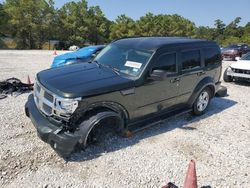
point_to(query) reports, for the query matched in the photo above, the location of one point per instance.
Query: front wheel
(98, 128)
(202, 102)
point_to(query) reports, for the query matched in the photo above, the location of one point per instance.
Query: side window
(166, 62)
(212, 56)
(191, 59)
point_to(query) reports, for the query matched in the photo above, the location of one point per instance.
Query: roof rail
(140, 36)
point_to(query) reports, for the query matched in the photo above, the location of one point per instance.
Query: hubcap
(203, 101)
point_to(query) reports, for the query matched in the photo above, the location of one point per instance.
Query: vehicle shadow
(116, 143)
(242, 83)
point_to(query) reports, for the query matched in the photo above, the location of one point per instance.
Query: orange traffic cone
(28, 80)
(191, 179)
(55, 53)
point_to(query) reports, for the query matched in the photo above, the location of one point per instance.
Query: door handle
(201, 73)
(175, 80)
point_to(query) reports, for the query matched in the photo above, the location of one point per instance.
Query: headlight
(66, 106)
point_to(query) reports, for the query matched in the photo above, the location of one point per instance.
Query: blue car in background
(85, 54)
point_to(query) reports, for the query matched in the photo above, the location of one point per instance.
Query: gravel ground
(218, 141)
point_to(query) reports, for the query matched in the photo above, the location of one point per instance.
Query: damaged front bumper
(63, 142)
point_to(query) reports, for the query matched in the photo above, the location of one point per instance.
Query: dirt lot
(218, 141)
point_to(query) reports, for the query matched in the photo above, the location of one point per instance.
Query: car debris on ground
(14, 86)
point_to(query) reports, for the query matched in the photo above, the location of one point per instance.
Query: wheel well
(198, 90)
(111, 123)
(110, 120)
(115, 119)
(96, 110)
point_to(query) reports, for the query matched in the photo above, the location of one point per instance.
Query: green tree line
(31, 23)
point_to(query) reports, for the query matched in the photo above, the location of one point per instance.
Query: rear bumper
(62, 142)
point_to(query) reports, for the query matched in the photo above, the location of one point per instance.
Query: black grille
(241, 71)
(48, 96)
(47, 109)
(37, 100)
(38, 88)
(45, 102)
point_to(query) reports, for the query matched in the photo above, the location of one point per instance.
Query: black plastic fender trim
(206, 82)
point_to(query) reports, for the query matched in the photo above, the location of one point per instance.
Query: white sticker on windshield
(133, 64)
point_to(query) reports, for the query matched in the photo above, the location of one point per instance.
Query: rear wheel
(202, 102)
(226, 77)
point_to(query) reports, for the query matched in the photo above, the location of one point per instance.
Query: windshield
(246, 57)
(124, 59)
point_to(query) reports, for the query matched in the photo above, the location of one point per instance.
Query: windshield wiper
(97, 63)
(117, 71)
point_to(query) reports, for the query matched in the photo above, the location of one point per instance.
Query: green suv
(131, 82)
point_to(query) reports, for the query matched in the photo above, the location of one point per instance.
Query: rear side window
(191, 59)
(212, 56)
(166, 62)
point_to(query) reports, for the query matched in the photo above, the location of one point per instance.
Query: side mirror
(237, 58)
(157, 75)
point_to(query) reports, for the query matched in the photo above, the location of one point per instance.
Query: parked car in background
(238, 71)
(82, 55)
(233, 51)
(132, 81)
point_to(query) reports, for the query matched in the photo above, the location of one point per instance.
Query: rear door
(192, 72)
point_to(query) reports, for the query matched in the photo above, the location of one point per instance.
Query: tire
(222, 92)
(202, 101)
(90, 128)
(227, 78)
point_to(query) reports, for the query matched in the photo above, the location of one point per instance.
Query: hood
(241, 64)
(81, 80)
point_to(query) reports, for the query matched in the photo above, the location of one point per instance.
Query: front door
(154, 96)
